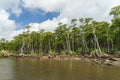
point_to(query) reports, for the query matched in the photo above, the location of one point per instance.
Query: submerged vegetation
(82, 36)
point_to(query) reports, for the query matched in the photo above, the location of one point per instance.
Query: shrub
(79, 51)
(5, 53)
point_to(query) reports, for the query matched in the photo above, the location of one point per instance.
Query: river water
(33, 69)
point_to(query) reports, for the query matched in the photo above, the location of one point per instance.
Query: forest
(82, 36)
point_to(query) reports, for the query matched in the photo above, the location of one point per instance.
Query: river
(33, 69)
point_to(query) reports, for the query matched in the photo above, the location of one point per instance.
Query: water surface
(33, 69)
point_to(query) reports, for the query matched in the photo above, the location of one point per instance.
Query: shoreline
(105, 60)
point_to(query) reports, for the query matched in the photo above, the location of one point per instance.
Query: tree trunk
(68, 43)
(40, 48)
(85, 47)
(32, 48)
(49, 45)
(22, 47)
(96, 40)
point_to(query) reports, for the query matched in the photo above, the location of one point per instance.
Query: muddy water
(33, 69)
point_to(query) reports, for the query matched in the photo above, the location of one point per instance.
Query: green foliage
(1, 54)
(5, 53)
(115, 11)
(79, 50)
(84, 35)
(51, 52)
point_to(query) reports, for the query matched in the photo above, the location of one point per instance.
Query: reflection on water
(6, 69)
(32, 69)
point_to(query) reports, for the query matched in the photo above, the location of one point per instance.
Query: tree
(115, 28)
(115, 11)
(73, 26)
(83, 27)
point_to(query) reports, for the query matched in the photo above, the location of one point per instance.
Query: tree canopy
(83, 36)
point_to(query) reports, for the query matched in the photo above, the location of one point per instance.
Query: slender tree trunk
(49, 45)
(112, 46)
(83, 41)
(40, 47)
(85, 47)
(32, 48)
(68, 42)
(96, 40)
(22, 47)
(96, 52)
(73, 42)
(108, 43)
(108, 46)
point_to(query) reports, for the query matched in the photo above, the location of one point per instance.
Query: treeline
(82, 36)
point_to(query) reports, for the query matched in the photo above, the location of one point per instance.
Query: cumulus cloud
(45, 5)
(68, 9)
(48, 25)
(11, 5)
(97, 9)
(7, 26)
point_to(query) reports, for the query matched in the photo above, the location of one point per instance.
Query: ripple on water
(34, 69)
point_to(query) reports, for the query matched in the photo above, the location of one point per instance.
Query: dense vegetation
(82, 36)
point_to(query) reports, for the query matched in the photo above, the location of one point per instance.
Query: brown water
(33, 69)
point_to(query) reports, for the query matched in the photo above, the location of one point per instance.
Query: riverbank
(103, 60)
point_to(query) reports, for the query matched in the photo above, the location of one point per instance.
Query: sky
(46, 14)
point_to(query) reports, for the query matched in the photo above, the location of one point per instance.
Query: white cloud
(15, 33)
(98, 9)
(11, 5)
(68, 9)
(7, 26)
(48, 25)
(45, 5)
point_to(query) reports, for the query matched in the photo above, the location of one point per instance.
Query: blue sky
(37, 16)
(46, 14)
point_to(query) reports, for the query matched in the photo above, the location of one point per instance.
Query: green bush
(5, 53)
(79, 51)
(51, 52)
(1, 55)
